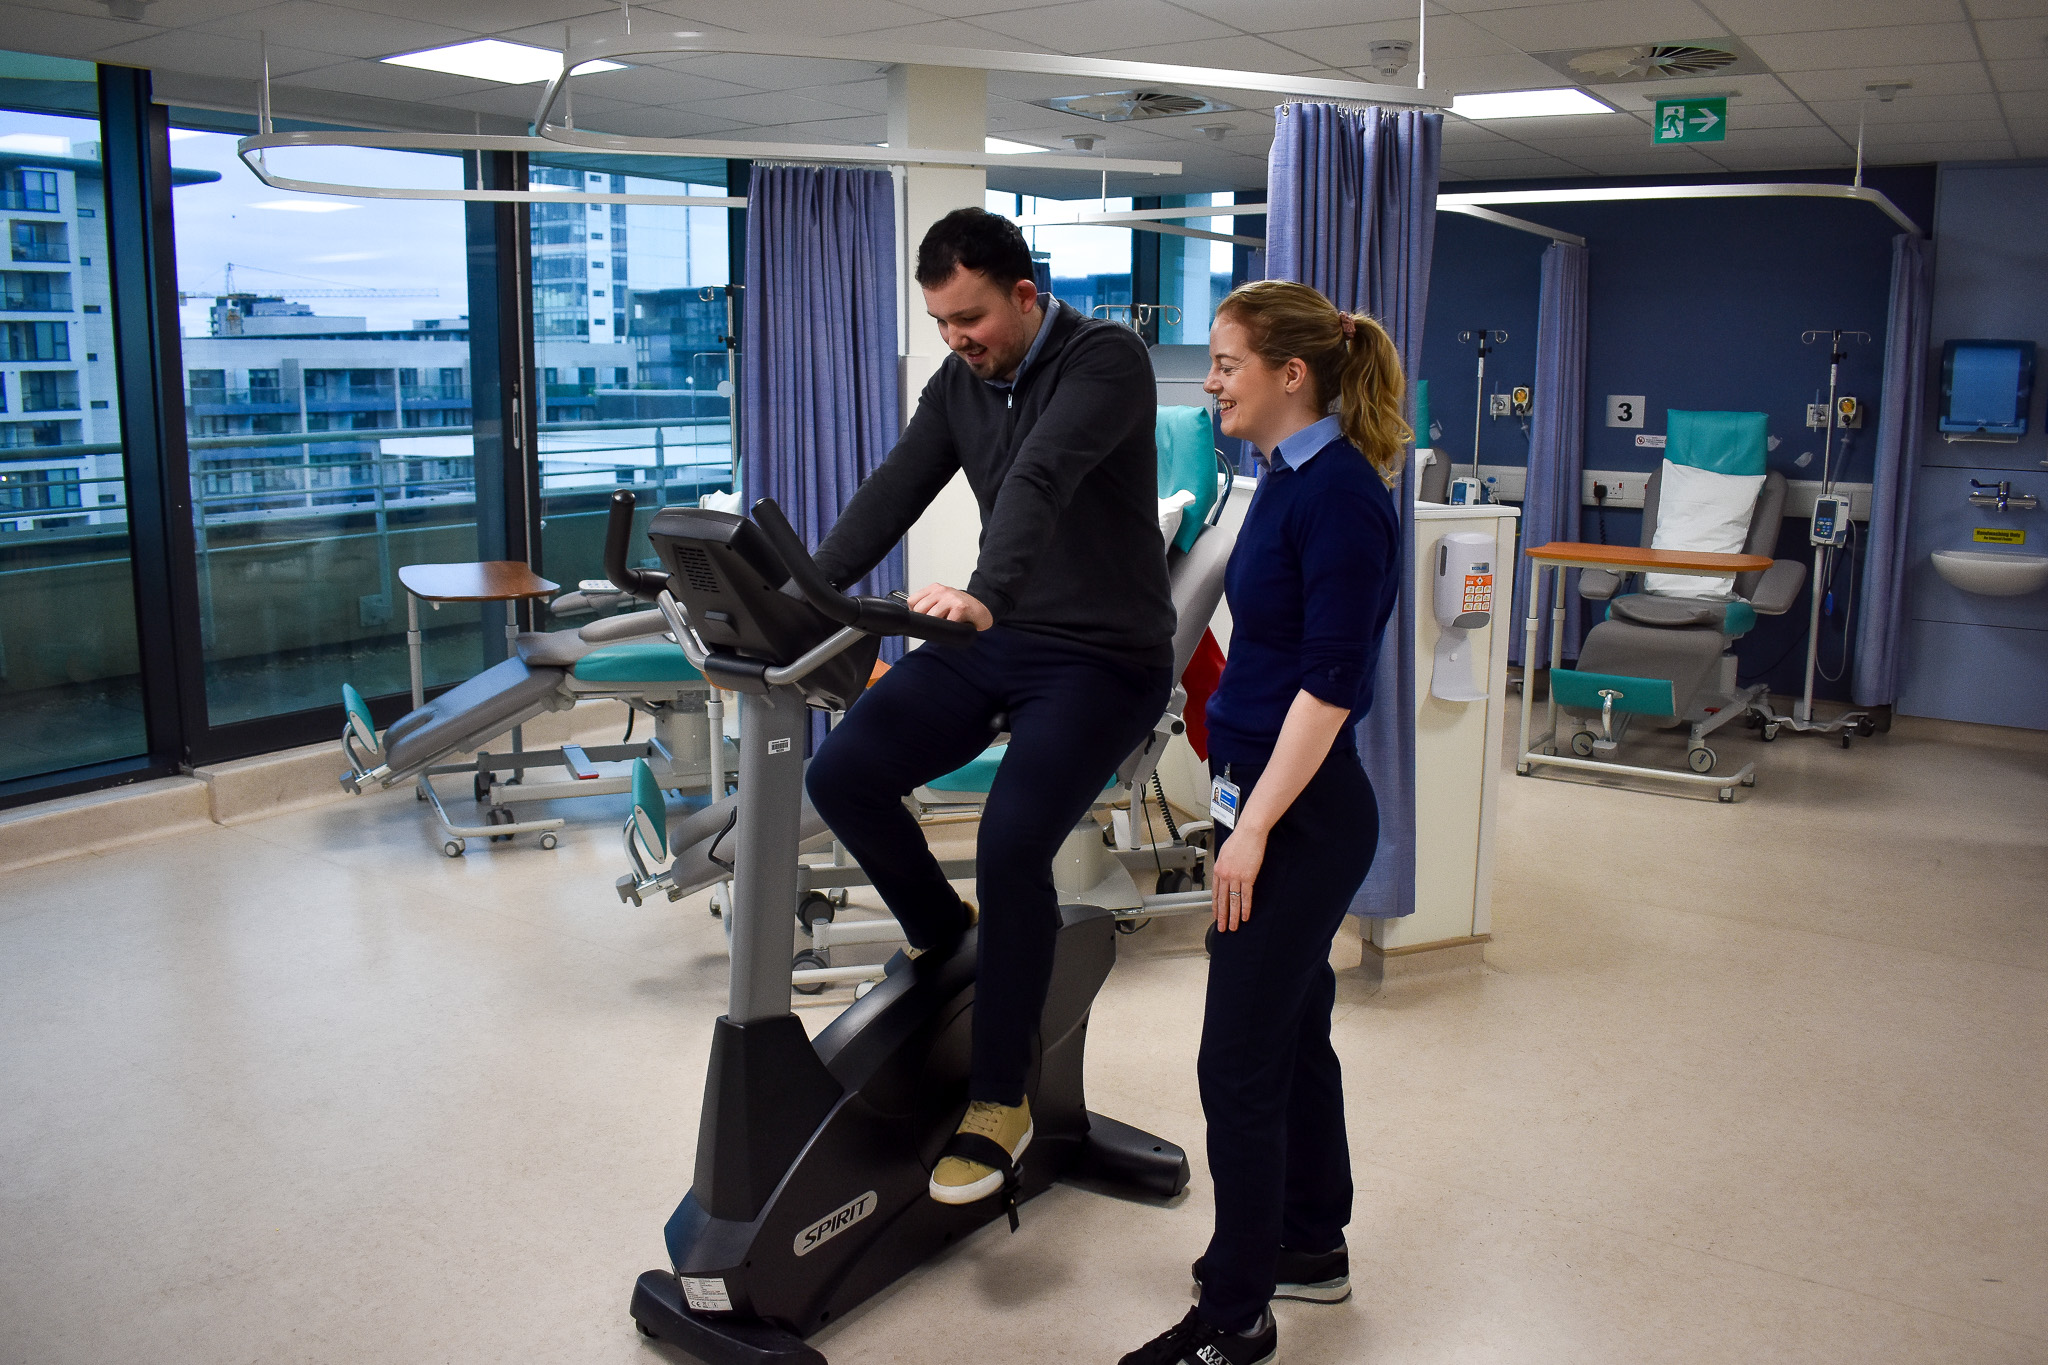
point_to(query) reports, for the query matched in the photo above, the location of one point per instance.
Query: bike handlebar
(875, 615)
(645, 584)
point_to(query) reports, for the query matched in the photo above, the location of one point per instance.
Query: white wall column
(943, 108)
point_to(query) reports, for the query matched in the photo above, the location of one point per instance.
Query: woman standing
(1311, 585)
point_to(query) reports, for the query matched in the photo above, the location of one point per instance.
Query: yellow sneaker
(981, 1158)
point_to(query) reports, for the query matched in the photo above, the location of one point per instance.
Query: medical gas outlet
(1464, 603)
(1848, 414)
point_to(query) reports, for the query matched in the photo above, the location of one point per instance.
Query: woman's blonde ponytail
(1354, 363)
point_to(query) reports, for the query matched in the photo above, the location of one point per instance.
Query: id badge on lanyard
(1223, 801)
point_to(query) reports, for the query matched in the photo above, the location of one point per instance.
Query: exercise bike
(813, 1158)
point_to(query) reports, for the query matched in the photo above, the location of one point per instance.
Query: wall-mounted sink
(1991, 574)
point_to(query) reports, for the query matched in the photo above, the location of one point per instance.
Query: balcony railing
(44, 253)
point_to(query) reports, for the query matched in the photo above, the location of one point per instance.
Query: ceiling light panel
(1528, 104)
(493, 59)
(1005, 147)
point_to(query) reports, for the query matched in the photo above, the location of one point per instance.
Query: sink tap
(2001, 496)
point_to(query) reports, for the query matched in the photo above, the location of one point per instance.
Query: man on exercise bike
(1050, 415)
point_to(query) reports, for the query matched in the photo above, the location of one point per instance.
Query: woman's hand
(951, 604)
(1236, 869)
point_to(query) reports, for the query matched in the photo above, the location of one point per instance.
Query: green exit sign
(1701, 120)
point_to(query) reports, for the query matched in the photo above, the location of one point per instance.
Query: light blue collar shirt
(1051, 308)
(1298, 449)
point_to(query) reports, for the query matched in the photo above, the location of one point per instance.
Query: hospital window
(1091, 265)
(75, 699)
(35, 241)
(35, 291)
(35, 341)
(298, 548)
(30, 191)
(645, 410)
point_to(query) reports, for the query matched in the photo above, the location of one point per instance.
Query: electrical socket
(1500, 405)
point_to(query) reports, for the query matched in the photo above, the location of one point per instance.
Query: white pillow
(1172, 511)
(1698, 509)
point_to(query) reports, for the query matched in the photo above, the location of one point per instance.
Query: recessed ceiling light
(303, 206)
(997, 146)
(494, 59)
(1528, 104)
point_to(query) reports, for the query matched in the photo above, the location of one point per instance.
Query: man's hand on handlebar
(951, 604)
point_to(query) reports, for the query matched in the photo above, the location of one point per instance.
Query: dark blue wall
(1695, 304)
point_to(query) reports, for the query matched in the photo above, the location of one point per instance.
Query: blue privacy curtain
(1557, 437)
(1353, 195)
(818, 378)
(1901, 414)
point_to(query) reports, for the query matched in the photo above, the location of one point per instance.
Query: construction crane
(228, 291)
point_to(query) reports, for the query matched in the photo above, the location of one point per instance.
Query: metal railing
(257, 498)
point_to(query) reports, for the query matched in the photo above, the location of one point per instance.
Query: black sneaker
(1321, 1278)
(1194, 1342)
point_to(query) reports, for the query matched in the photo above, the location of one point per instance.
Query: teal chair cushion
(1638, 696)
(1720, 442)
(979, 774)
(1187, 462)
(636, 661)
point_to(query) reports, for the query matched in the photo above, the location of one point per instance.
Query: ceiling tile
(1239, 53)
(212, 54)
(1901, 44)
(1691, 161)
(2009, 9)
(2027, 104)
(1927, 79)
(1272, 16)
(769, 107)
(1748, 17)
(1744, 90)
(1589, 23)
(1102, 25)
(1351, 44)
(2027, 75)
(69, 35)
(1510, 71)
(778, 73)
(499, 16)
(799, 18)
(1906, 111)
(655, 86)
(947, 33)
(2013, 39)
(384, 81)
(330, 28)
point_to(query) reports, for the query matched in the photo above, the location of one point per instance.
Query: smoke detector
(1122, 106)
(1389, 55)
(1654, 61)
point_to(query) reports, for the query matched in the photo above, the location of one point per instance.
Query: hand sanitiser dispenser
(1464, 603)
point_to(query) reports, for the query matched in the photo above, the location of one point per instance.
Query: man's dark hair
(978, 240)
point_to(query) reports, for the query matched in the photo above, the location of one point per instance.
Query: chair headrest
(1187, 464)
(1719, 442)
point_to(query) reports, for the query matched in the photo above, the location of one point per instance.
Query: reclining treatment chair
(1665, 652)
(620, 658)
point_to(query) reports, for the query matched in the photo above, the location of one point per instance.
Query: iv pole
(1487, 339)
(1801, 721)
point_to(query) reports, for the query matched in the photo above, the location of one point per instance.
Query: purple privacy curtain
(818, 379)
(1354, 215)
(1557, 435)
(1901, 415)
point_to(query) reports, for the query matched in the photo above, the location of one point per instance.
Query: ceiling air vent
(1653, 61)
(1122, 106)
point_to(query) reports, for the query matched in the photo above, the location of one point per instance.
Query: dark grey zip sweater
(1065, 470)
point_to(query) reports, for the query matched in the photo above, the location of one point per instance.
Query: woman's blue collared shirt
(1311, 585)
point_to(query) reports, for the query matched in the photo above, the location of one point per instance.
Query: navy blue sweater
(1311, 585)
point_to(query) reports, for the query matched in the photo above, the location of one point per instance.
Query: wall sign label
(1624, 410)
(1694, 120)
(1999, 535)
